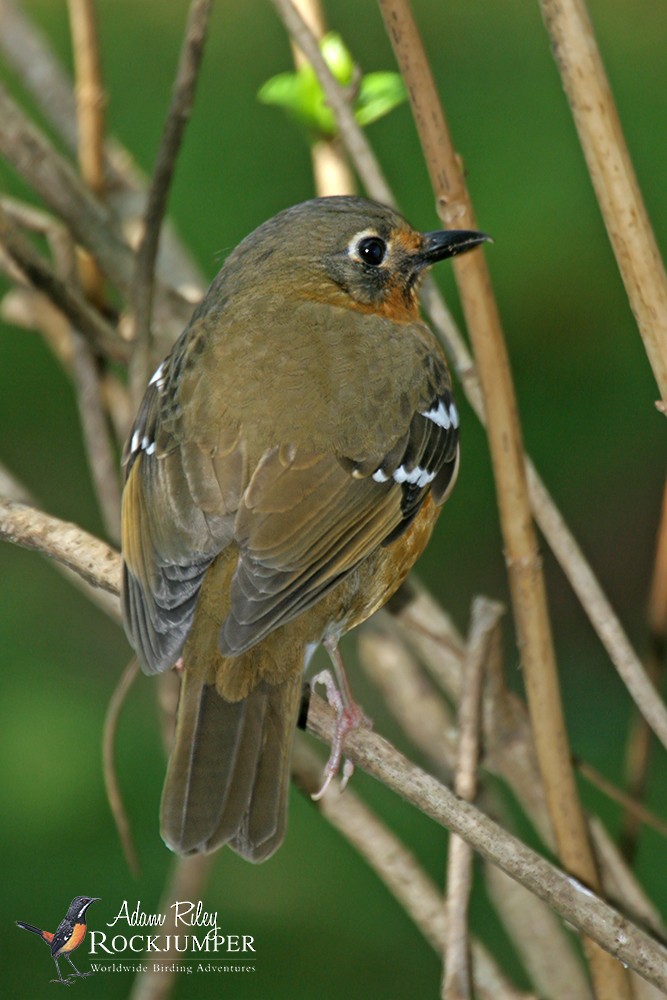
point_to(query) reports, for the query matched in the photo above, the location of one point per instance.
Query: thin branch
(398, 869)
(188, 879)
(101, 566)
(102, 460)
(632, 806)
(538, 935)
(180, 109)
(90, 104)
(24, 525)
(568, 553)
(40, 275)
(639, 740)
(600, 612)
(331, 170)
(35, 159)
(360, 151)
(413, 701)
(456, 982)
(114, 795)
(12, 489)
(563, 893)
(582, 72)
(505, 442)
(26, 50)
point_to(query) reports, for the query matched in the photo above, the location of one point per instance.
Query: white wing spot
(135, 442)
(453, 415)
(379, 476)
(156, 378)
(440, 416)
(415, 477)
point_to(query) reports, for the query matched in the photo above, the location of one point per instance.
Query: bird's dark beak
(449, 243)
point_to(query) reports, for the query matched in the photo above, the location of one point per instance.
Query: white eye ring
(354, 247)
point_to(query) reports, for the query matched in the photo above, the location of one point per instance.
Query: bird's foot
(350, 717)
(63, 982)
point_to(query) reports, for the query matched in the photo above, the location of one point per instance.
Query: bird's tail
(228, 776)
(35, 930)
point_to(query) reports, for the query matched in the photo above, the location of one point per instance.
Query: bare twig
(632, 806)
(100, 565)
(180, 109)
(538, 936)
(526, 580)
(560, 539)
(410, 696)
(187, 881)
(331, 171)
(12, 489)
(25, 49)
(456, 982)
(102, 460)
(67, 543)
(562, 892)
(41, 276)
(90, 100)
(114, 795)
(353, 137)
(601, 136)
(31, 154)
(599, 611)
(639, 739)
(398, 869)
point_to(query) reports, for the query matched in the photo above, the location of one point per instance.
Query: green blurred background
(323, 924)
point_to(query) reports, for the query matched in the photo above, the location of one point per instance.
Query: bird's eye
(372, 250)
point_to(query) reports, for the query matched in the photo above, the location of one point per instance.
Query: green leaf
(300, 95)
(379, 93)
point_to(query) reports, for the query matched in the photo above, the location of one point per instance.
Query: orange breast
(78, 934)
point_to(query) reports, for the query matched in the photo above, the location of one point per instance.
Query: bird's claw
(350, 717)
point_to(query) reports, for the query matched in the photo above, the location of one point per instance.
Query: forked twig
(398, 869)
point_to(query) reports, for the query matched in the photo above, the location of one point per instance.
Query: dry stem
(91, 100)
(551, 522)
(601, 136)
(574, 902)
(456, 983)
(505, 442)
(178, 115)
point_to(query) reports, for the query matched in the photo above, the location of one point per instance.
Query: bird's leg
(65, 982)
(350, 716)
(82, 975)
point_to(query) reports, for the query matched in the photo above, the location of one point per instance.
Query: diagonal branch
(100, 565)
(38, 272)
(70, 545)
(178, 116)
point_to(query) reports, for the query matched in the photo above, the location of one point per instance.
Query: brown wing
(307, 520)
(180, 496)
(301, 520)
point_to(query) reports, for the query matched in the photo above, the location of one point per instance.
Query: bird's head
(346, 251)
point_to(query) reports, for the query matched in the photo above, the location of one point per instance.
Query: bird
(285, 470)
(69, 934)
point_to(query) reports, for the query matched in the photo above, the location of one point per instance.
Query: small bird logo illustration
(68, 936)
